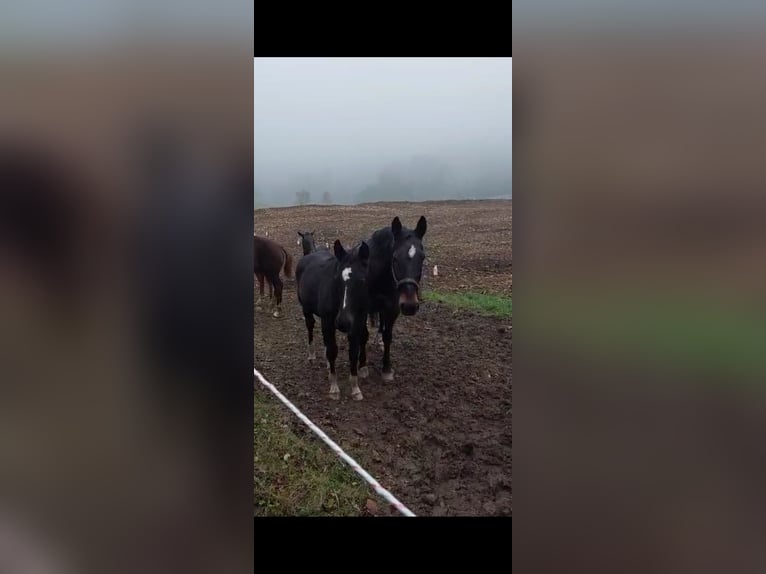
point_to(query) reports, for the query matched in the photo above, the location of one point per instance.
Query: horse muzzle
(409, 308)
(408, 297)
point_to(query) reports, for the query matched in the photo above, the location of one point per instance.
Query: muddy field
(439, 435)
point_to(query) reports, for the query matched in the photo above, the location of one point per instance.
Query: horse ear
(396, 226)
(420, 230)
(364, 251)
(313, 231)
(340, 253)
(301, 234)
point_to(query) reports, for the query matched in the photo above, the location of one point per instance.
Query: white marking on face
(345, 293)
(411, 252)
(346, 273)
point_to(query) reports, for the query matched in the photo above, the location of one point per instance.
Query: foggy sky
(350, 117)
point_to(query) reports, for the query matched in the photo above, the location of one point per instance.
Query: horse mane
(381, 245)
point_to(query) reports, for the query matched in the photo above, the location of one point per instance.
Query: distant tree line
(303, 197)
(421, 178)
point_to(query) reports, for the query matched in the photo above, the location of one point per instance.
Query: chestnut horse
(270, 259)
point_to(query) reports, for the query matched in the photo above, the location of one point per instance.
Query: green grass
(695, 335)
(296, 476)
(486, 304)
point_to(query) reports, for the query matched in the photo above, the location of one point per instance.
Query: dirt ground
(469, 241)
(438, 436)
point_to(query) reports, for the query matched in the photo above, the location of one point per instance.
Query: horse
(269, 259)
(261, 279)
(393, 279)
(307, 242)
(332, 286)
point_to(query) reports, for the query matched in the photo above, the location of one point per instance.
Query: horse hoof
(334, 388)
(364, 372)
(277, 313)
(388, 376)
(312, 356)
(356, 393)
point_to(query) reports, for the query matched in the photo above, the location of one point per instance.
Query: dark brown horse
(270, 259)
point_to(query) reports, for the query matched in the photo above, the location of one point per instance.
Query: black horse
(307, 242)
(333, 287)
(393, 278)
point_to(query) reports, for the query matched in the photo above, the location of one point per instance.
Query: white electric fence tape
(336, 449)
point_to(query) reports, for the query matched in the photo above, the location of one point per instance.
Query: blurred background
(126, 177)
(639, 333)
(640, 341)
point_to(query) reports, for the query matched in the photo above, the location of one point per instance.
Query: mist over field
(355, 130)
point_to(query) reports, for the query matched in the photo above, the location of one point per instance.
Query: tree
(326, 197)
(303, 197)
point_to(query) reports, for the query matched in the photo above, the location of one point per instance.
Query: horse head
(307, 241)
(351, 280)
(407, 263)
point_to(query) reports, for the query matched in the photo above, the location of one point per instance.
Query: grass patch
(693, 335)
(487, 304)
(296, 476)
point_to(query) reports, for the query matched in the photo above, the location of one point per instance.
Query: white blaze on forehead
(411, 252)
(346, 273)
(345, 294)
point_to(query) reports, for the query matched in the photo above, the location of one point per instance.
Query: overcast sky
(346, 115)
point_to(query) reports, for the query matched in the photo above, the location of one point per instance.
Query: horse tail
(288, 263)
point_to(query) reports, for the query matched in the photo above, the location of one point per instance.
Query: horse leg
(328, 334)
(277, 282)
(354, 338)
(310, 322)
(387, 321)
(378, 338)
(260, 290)
(271, 294)
(272, 289)
(363, 370)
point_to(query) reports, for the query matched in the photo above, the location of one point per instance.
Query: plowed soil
(438, 436)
